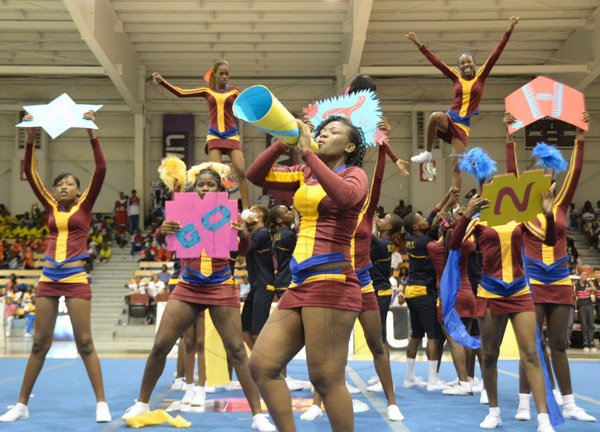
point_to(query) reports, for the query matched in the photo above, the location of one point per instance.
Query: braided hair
(215, 176)
(355, 136)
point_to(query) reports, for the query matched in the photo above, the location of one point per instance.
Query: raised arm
(262, 172)
(567, 191)
(546, 233)
(467, 223)
(511, 155)
(40, 191)
(495, 55)
(433, 59)
(89, 196)
(177, 91)
(375, 191)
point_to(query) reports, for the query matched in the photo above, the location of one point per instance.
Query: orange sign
(544, 97)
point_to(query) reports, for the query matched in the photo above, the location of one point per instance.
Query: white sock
(543, 418)
(524, 400)
(495, 411)
(432, 375)
(569, 402)
(410, 369)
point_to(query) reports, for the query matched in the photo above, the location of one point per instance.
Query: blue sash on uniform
(192, 276)
(225, 134)
(460, 119)
(501, 288)
(60, 273)
(364, 277)
(547, 274)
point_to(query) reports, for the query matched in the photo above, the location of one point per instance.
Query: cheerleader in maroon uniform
(223, 136)
(69, 219)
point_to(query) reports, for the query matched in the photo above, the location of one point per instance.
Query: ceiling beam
(52, 70)
(101, 29)
(594, 35)
(497, 70)
(353, 41)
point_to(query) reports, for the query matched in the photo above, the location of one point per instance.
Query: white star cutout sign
(59, 115)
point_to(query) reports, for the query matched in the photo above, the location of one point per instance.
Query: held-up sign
(544, 97)
(204, 224)
(514, 199)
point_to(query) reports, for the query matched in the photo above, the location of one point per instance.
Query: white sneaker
(189, 394)
(352, 389)
(27, 335)
(586, 349)
(293, 385)
(577, 413)
(178, 385)
(135, 410)
(458, 389)
(359, 406)
(423, 157)
(377, 387)
(491, 421)
(483, 398)
(199, 396)
(262, 424)
(417, 381)
(436, 385)
(103, 413)
(15, 412)
(476, 385)
(558, 396)
(545, 426)
(394, 414)
(210, 389)
(312, 413)
(373, 380)
(523, 414)
(594, 349)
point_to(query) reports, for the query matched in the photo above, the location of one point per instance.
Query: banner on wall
(178, 136)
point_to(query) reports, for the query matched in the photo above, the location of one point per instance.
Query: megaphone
(257, 106)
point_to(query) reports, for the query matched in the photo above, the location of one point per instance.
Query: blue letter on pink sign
(206, 223)
(193, 239)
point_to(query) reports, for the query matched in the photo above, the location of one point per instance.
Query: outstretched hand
(514, 20)
(90, 115)
(157, 78)
(548, 201)
(305, 136)
(585, 116)
(476, 203)
(412, 36)
(31, 131)
(401, 164)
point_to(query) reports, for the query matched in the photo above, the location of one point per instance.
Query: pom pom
(478, 163)
(172, 171)
(549, 157)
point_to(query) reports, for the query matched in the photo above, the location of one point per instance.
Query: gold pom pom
(172, 172)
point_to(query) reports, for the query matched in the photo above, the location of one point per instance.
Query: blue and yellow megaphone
(257, 106)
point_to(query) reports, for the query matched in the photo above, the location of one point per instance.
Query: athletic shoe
(417, 381)
(394, 414)
(458, 390)
(483, 399)
(352, 389)
(199, 396)
(544, 423)
(210, 389)
(558, 397)
(27, 335)
(476, 385)
(436, 385)
(190, 392)
(373, 380)
(135, 410)
(15, 412)
(423, 157)
(359, 406)
(586, 349)
(178, 384)
(594, 349)
(523, 414)
(313, 413)
(262, 424)
(577, 413)
(103, 413)
(293, 385)
(377, 387)
(491, 421)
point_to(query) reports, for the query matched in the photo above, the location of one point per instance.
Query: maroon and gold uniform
(548, 266)
(467, 92)
(67, 240)
(329, 204)
(222, 129)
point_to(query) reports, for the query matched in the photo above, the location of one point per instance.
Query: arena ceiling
(126, 40)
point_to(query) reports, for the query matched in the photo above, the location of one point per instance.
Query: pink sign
(544, 97)
(204, 224)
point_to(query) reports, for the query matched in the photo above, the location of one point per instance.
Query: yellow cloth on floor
(156, 417)
(217, 373)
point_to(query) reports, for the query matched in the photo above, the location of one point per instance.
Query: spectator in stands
(573, 255)
(396, 260)
(403, 277)
(105, 252)
(400, 209)
(164, 274)
(573, 216)
(11, 285)
(244, 288)
(137, 242)
(96, 237)
(596, 283)
(155, 286)
(148, 252)
(585, 307)
(136, 285)
(133, 212)
(93, 253)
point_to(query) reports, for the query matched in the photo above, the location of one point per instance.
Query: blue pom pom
(549, 157)
(478, 163)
